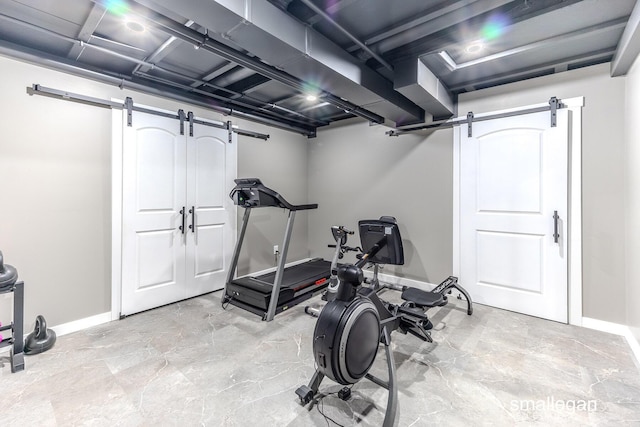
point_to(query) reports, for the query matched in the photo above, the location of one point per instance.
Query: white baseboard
(272, 269)
(599, 325)
(617, 329)
(634, 344)
(70, 327)
(402, 281)
(80, 324)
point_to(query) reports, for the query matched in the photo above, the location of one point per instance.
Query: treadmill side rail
(277, 284)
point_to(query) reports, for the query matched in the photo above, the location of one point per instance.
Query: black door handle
(556, 236)
(183, 218)
(192, 211)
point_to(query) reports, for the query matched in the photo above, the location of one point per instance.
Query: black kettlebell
(41, 339)
(8, 274)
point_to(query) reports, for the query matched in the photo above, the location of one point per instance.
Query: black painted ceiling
(466, 44)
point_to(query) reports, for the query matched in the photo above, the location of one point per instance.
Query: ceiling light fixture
(135, 26)
(311, 97)
(474, 47)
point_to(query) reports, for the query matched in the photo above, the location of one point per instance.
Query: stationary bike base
(305, 394)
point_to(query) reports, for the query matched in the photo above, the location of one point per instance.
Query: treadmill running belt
(310, 276)
(300, 276)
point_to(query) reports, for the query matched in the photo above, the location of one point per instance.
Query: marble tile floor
(193, 364)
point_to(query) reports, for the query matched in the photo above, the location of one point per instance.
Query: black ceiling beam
(249, 106)
(224, 101)
(602, 55)
(515, 11)
(228, 107)
(247, 83)
(67, 65)
(196, 38)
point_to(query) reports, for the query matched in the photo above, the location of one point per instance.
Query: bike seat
(422, 298)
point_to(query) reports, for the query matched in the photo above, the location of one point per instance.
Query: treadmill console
(251, 198)
(252, 193)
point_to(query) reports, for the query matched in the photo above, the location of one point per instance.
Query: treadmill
(271, 293)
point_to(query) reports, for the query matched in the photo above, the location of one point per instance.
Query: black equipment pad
(422, 298)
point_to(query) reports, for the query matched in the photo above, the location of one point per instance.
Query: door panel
(513, 176)
(208, 185)
(158, 253)
(513, 185)
(509, 260)
(209, 252)
(153, 264)
(158, 160)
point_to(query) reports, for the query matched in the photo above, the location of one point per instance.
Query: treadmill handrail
(255, 184)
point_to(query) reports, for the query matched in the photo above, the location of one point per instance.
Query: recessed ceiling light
(135, 26)
(474, 47)
(311, 97)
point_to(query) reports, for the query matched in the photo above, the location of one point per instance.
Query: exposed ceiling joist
(572, 35)
(206, 43)
(629, 45)
(281, 40)
(398, 28)
(451, 28)
(263, 57)
(524, 73)
(163, 51)
(433, 23)
(89, 26)
(353, 38)
(332, 9)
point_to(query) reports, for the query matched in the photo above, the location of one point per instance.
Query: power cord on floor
(228, 301)
(320, 403)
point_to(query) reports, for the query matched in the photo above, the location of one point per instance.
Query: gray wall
(55, 209)
(55, 224)
(632, 166)
(281, 164)
(55, 170)
(357, 172)
(603, 159)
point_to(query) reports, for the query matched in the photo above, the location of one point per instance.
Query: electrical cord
(228, 299)
(320, 403)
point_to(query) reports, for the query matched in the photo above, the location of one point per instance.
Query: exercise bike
(340, 235)
(351, 327)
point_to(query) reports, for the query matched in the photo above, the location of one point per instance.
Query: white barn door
(178, 223)
(211, 212)
(154, 190)
(513, 179)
